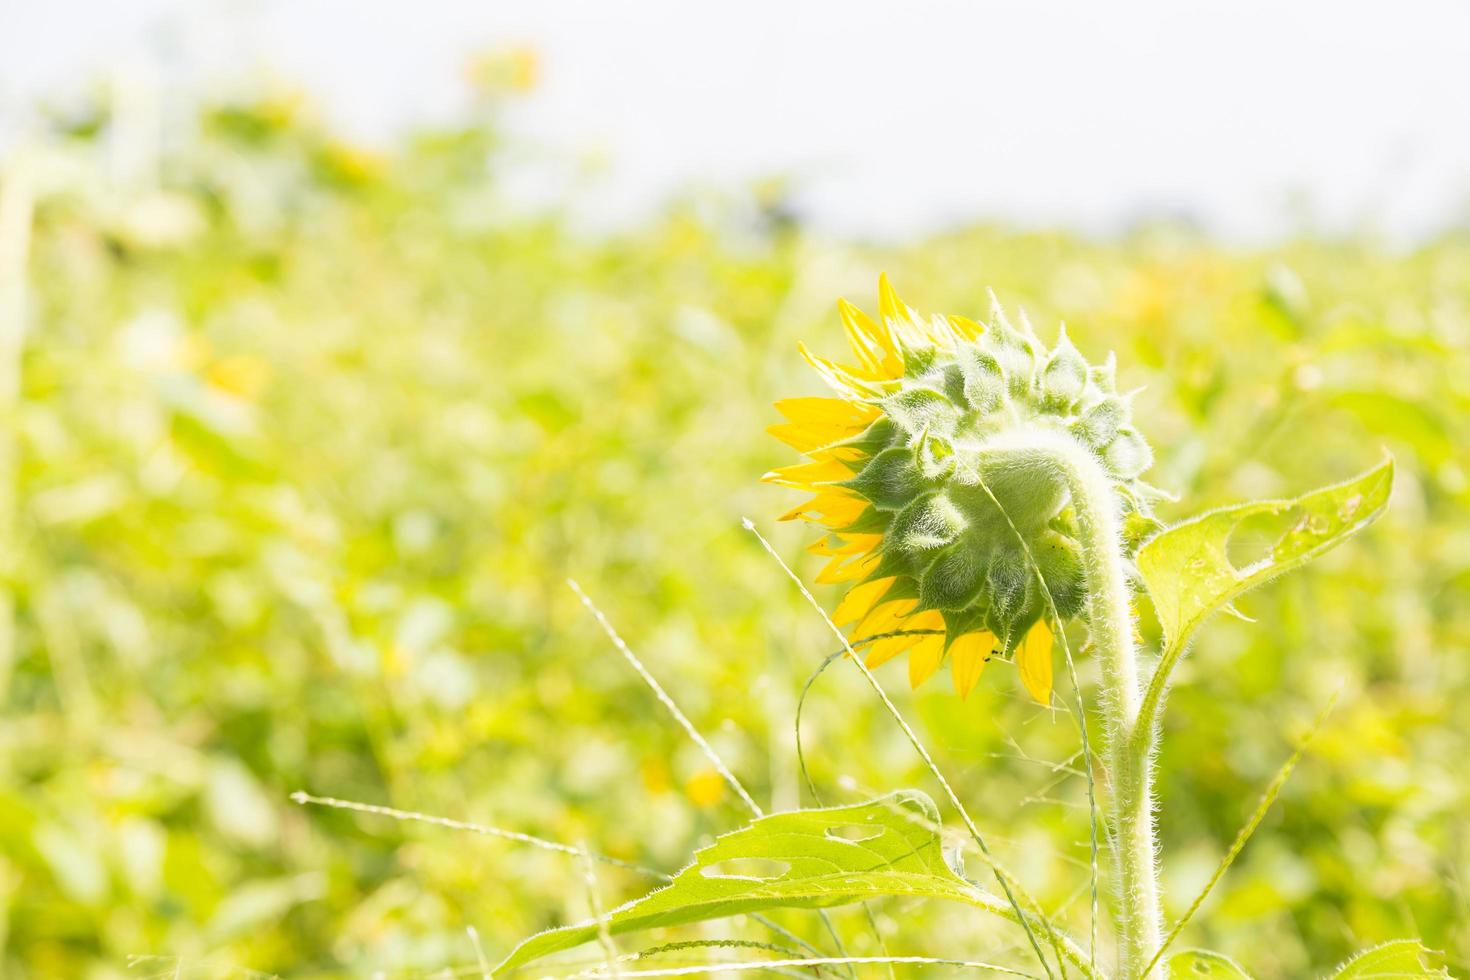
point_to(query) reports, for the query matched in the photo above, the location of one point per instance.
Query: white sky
(1256, 118)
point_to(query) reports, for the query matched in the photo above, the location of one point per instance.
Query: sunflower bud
(951, 547)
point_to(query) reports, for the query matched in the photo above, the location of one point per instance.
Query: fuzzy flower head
(952, 551)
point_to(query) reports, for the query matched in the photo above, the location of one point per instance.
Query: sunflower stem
(1129, 756)
(1129, 752)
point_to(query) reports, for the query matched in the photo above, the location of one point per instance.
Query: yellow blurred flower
(504, 70)
(655, 776)
(240, 375)
(705, 788)
(345, 163)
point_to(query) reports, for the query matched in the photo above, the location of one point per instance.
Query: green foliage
(803, 859)
(1189, 572)
(1402, 959)
(1201, 964)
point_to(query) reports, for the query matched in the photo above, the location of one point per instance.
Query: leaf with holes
(1205, 965)
(803, 859)
(1187, 568)
(1402, 959)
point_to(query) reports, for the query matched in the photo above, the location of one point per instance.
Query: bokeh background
(333, 339)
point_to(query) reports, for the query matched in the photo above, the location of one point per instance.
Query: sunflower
(947, 548)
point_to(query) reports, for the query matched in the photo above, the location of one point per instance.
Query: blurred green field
(306, 441)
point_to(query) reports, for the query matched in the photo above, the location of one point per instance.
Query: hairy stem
(1111, 621)
(1128, 751)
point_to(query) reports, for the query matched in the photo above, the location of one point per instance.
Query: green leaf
(1204, 965)
(1402, 959)
(1187, 568)
(803, 859)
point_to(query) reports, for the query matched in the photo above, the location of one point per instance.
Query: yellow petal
(929, 619)
(843, 514)
(826, 411)
(805, 476)
(845, 454)
(898, 317)
(1034, 661)
(832, 496)
(859, 601)
(806, 510)
(833, 507)
(882, 651)
(889, 305)
(860, 336)
(845, 544)
(824, 545)
(968, 655)
(844, 380)
(807, 436)
(943, 332)
(885, 617)
(924, 658)
(874, 342)
(845, 568)
(967, 328)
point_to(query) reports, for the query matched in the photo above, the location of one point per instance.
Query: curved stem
(1129, 750)
(1146, 730)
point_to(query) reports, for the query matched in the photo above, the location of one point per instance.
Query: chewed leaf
(1402, 959)
(1187, 568)
(805, 859)
(1205, 965)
